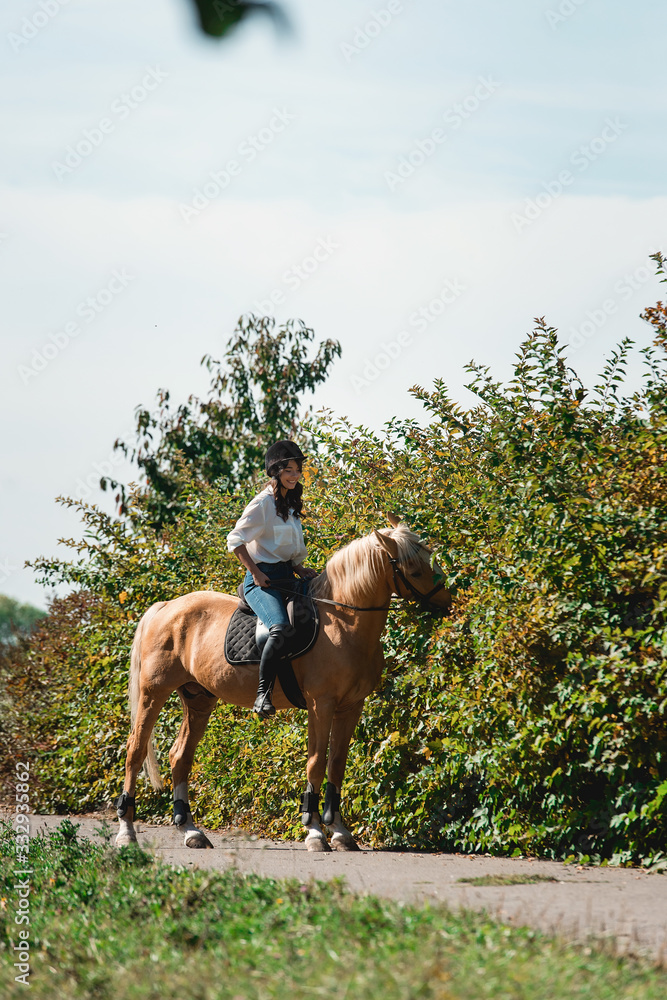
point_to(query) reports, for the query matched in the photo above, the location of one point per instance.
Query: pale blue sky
(592, 81)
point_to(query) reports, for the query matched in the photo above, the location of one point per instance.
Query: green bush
(532, 720)
(17, 619)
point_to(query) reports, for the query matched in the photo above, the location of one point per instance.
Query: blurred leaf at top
(218, 17)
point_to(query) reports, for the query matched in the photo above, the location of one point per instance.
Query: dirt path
(627, 906)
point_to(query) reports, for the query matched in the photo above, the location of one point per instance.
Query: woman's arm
(305, 572)
(242, 554)
(249, 526)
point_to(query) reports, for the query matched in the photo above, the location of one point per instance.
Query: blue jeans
(268, 604)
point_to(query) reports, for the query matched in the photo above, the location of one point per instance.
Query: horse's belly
(236, 685)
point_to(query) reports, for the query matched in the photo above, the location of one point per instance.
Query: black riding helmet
(282, 451)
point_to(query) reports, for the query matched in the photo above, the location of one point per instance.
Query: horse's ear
(387, 543)
(394, 520)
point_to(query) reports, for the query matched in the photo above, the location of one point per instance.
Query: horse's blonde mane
(352, 573)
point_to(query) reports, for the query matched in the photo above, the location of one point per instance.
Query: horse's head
(410, 571)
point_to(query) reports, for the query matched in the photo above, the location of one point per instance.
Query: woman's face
(290, 475)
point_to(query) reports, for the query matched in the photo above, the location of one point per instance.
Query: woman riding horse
(268, 541)
(178, 646)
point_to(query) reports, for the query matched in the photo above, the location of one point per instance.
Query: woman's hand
(305, 572)
(261, 579)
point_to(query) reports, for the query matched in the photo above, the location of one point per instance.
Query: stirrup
(265, 709)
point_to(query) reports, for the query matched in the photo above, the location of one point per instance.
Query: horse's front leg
(342, 729)
(320, 715)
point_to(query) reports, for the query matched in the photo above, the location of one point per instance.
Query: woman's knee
(269, 608)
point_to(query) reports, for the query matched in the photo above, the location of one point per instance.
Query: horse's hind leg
(148, 709)
(197, 708)
(341, 734)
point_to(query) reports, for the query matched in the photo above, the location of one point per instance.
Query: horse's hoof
(317, 845)
(344, 843)
(198, 840)
(125, 839)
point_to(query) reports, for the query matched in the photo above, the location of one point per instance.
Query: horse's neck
(364, 628)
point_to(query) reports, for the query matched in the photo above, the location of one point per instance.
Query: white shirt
(264, 533)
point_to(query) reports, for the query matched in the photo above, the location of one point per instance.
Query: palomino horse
(179, 646)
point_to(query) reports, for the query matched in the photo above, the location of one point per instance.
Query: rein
(424, 600)
(337, 604)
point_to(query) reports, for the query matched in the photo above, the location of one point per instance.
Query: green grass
(111, 924)
(507, 879)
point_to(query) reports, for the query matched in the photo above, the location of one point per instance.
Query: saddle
(246, 634)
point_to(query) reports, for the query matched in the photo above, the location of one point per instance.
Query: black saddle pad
(240, 645)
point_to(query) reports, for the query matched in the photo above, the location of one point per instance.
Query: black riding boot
(272, 656)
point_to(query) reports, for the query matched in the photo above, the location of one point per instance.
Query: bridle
(424, 600)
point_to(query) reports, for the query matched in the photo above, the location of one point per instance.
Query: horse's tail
(150, 764)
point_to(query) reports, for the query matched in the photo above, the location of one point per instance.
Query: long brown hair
(292, 499)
